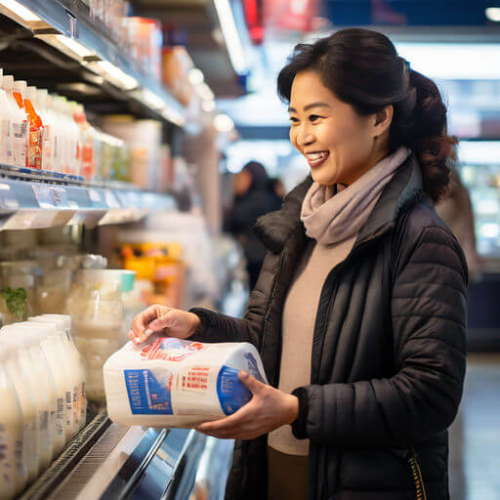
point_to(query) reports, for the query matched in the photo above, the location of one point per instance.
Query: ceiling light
(195, 76)
(20, 10)
(493, 14)
(208, 106)
(223, 123)
(453, 61)
(231, 37)
(116, 76)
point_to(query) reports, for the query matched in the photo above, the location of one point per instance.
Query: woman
(359, 310)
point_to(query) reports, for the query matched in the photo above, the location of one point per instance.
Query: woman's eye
(293, 119)
(314, 118)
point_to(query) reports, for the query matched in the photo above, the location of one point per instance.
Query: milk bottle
(29, 411)
(11, 433)
(66, 322)
(71, 362)
(57, 366)
(39, 360)
(33, 371)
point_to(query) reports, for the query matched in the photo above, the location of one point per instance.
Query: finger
(250, 382)
(142, 320)
(232, 422)
(164, 321)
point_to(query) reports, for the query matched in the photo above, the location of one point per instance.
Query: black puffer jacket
(388, 359)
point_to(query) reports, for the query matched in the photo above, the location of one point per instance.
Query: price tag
(123, 198)
(95, 197)
(8, 199)
(59, 196)
(111, 200)
(43, 196)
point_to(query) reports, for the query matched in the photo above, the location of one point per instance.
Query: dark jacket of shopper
(388, 359)
(247, 208)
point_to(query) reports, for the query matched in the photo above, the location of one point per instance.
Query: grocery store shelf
(98, 53)
(40, 199)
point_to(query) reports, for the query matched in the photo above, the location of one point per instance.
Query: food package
(168, 382)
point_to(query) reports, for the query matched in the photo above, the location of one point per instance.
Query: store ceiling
(195, 23)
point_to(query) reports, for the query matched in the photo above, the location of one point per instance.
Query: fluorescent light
(208, 106)
(493, 14)
(195, 76)
(20, 10)
(116, 76)
(67, 45)
(478, 152)
(74, 46)
(152, 100)
(223, 123)
(173, 116)
(453, 61)
(231, 37)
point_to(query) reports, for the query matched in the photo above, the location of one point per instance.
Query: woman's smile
(316, 158)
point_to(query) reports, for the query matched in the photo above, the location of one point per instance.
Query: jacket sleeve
(428, 310)
(216, 327)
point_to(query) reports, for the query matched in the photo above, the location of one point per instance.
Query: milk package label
(168, 382)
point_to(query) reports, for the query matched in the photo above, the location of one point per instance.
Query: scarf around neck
(332, 214)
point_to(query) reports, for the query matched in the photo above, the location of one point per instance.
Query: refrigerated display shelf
(69, 458)
(45, 199)
(71, 18)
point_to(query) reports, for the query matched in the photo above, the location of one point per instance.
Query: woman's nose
(305, 138)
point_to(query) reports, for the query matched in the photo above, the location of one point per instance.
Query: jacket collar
(405, 189)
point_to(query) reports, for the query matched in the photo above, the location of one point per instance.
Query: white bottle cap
(8, 82)
(41, 97)
(21, 86)
(31, 94)
(65, 317)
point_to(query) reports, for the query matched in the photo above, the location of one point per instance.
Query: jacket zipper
(417, 474)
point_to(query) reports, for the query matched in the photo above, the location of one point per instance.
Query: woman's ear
(383, 120)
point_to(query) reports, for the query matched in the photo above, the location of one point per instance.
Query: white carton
(169, 382)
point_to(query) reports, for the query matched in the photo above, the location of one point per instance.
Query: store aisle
(475, 435)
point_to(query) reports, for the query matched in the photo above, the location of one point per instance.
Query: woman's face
(338, 143)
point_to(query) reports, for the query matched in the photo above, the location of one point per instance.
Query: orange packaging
(35, 131)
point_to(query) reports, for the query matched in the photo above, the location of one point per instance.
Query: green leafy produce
(16, 300)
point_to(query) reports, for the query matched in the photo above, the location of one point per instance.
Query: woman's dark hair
(362, 68)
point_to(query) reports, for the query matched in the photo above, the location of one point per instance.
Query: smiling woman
(359, 309)
(332, 135)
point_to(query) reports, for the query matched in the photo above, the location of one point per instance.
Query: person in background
(359, 311)
(253, 198)
(278, 188)
(456, 210)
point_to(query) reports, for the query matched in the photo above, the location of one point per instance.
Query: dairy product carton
(168, 382)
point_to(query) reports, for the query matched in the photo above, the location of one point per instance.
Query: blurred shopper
(359, 311)
(456, 210)
(253, 198)
(278, 188)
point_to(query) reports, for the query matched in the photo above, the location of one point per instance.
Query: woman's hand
(268, 409)
(175, 323)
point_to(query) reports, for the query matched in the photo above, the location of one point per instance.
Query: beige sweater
(333, 221)
(299, 315)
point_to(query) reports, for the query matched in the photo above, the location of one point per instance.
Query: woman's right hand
(156, 318)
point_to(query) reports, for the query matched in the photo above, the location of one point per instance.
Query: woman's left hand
(268, 409)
